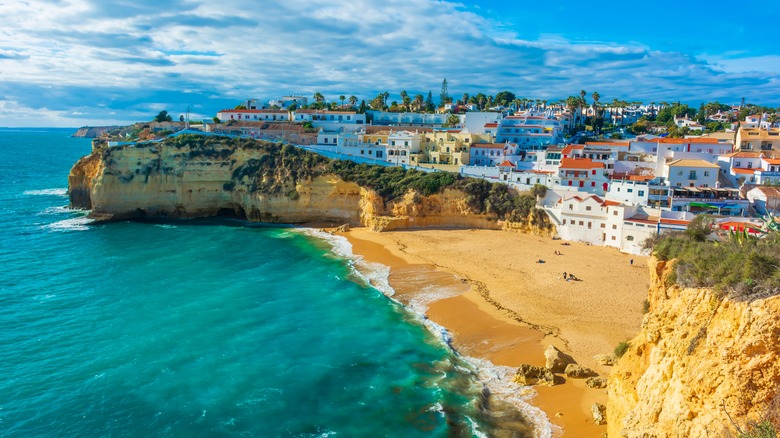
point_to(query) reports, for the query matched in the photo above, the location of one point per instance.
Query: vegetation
(279, 168)
(621, 349)
(741, 266)
(163, 116)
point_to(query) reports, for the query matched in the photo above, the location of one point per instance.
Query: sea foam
(499, 380)
(47, 192)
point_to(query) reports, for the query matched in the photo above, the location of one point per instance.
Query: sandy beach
(487, 288)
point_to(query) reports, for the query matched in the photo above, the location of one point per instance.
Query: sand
(498, 303)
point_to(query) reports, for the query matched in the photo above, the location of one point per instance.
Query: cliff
(92, 131)
(192, 176)
(699, 362)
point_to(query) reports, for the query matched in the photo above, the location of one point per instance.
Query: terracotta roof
(772, 160)
(570, 148)
(608, 143)
(609, 203)
(580, 163)
(491, 125)
(692, 163)
(743, 155)
(741, 171)
(506, 163)
(675, 221)
(770, 192)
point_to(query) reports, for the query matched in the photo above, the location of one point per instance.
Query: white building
(402, 144)
(408, 119)
(286, 101)
(249, 115)
(764, 200)
(529, 131)
(691, 173)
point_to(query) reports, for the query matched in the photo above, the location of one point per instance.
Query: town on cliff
(616, 174)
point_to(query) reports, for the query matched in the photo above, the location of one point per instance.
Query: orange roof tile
(580, 163)
(620, 144)
(686, 140)
(506, 163)
(772, 160)
(742, 171)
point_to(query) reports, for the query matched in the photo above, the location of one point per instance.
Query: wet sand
(487, 290)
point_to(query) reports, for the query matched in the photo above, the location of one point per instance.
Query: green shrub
(761, 429)
(621, 349)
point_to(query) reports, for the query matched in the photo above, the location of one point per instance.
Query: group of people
(571, 277)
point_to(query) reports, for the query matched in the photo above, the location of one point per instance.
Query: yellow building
(756, 139)
(450, 146)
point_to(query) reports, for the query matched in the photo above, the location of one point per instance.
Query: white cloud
(190, 51)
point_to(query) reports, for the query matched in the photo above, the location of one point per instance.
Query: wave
(80, 223)
(63, 209)
(499, 380)
(47, 192)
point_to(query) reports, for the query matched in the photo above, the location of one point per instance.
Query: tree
(181, 118)
(504, 98)
(318, 97)
(405, 99)
(362, 109)
(453, 121)
(444, 97)
(353, 100)
(465, 98)
(163, 116)
(342, 98)
(429, 106)
(293, 106)
(418, 102)
(240, 107)
(215, 119)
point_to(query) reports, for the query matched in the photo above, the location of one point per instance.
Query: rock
(574, 371)
(528, 375)
(596, 382)
(599, 412)
(604, 359)
(557, 360)
(342, 229)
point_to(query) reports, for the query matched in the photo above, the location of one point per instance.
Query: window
(738, 164)
(641, 193)
(614, 227)
(564, 221)
(582, 223)
(679, 173)
(571, 207)
(613, 237)
(589, 225)
(706, 173)
(614, 213)
(587, 208)
(603, 225)
(630, 238)
(361, 152)
(326, 140)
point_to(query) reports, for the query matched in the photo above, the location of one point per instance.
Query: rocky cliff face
(697, 360)
(190, 180)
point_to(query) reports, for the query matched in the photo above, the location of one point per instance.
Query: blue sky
(78, 62)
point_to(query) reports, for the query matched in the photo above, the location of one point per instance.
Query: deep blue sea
(201, 328)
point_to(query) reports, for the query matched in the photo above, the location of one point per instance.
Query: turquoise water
(201, 328)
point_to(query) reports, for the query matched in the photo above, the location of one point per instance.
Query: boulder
(604, 359)
(596, 382)
(528, 375)
(574, 371)
(557, 360)
(599, 412)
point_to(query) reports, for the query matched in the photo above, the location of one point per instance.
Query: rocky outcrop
(265, 182)
(599, 412)
(556, 360)
(574, 371)
(529, 375)
(698, 360)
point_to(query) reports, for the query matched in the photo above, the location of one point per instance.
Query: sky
(72, 63)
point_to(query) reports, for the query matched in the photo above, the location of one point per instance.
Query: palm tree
(353, 100)
(385, 96)
(342, 98)
(596, 116)
(405, 99)
(418, 101)
(465, 98)
(318, 97)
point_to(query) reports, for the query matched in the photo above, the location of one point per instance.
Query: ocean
(207, 328)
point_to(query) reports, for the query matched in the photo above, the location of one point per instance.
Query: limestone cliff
(697, 360)
(254, 180)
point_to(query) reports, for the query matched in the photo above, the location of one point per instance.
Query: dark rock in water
(599, 412)
(574, 371)
(596, 382)
(529, 375)
(557, 360)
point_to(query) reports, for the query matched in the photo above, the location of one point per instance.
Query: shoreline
(486, 323)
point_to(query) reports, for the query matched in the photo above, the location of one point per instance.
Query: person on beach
(631, 262)
(564, 275)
